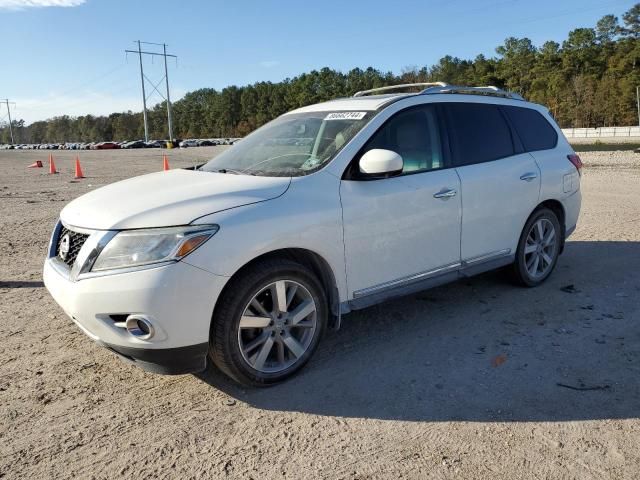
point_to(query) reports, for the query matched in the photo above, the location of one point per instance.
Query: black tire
(224, 347)
(520, 273)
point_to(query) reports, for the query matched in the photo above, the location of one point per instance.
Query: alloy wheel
(540, 248)
(277, 326)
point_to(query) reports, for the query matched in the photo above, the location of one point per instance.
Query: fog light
(140, 327)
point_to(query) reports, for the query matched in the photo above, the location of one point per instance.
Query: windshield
(291, 145)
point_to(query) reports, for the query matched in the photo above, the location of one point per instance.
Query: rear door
(500, 184)
(540, 139)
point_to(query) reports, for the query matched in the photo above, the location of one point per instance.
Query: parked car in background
(188, 143)
(135, 144)
(106, 146)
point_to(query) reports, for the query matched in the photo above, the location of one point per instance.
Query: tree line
(587, 81)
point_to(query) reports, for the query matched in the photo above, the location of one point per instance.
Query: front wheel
(538, 248)
(268, 322)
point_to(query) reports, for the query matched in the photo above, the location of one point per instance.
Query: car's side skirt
(433, 278)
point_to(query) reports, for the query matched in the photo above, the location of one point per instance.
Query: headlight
(133, 248)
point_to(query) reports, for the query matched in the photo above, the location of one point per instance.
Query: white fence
(601, 132)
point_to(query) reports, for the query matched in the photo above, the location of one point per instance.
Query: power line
(91, 81)
(7, 102)
(143, 77)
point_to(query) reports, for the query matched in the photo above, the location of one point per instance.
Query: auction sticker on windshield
(345, 116)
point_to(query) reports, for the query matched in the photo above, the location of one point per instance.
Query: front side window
(478, 133)
(291, 145)
(413, 134)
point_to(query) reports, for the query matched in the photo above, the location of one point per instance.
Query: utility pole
(144, 97)
(154, 87)
(166, 77)
(7, 102)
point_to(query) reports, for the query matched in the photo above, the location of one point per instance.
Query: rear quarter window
(535, 132)
(478, 133)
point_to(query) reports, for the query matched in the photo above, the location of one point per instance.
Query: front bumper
(177, 298)
(167, 361)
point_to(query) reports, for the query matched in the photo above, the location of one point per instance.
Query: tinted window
(413, 134)
(478, 133)
(533, 129)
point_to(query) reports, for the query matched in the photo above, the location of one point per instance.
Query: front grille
(76, 240)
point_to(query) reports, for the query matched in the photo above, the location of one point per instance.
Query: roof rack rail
(488, 90)
(362, 93)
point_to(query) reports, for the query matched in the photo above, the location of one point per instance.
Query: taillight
(575, 159)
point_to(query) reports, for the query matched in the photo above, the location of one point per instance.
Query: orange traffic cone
(165, 163)
(78, 169)
(37, 164)
(52, 165)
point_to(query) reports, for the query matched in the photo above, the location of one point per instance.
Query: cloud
(23, 4)
(265, 63)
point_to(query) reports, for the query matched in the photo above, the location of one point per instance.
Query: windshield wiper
(250, 169)
(228, 170)
(234, 172)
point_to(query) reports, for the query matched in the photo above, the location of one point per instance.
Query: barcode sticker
(345, 116)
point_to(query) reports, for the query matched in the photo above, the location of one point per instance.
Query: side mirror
(381, 163)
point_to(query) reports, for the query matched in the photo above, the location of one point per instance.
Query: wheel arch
(313, 261)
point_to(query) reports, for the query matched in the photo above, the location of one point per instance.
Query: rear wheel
(268, 322)
(538, 248)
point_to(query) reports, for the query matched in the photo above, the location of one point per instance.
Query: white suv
(327, 209)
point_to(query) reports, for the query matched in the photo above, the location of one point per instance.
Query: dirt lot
(478, 379)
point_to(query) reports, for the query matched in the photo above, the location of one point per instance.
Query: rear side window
(478, 133)
(533, 129)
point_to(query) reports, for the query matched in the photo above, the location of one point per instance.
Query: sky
(67, 56)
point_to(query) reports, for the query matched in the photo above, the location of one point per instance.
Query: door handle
(445, 194)
(528, 177)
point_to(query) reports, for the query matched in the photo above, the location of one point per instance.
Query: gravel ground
(477, 379)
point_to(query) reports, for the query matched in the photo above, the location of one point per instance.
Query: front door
(398, 229)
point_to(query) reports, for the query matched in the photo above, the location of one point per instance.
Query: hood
(174, 197)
